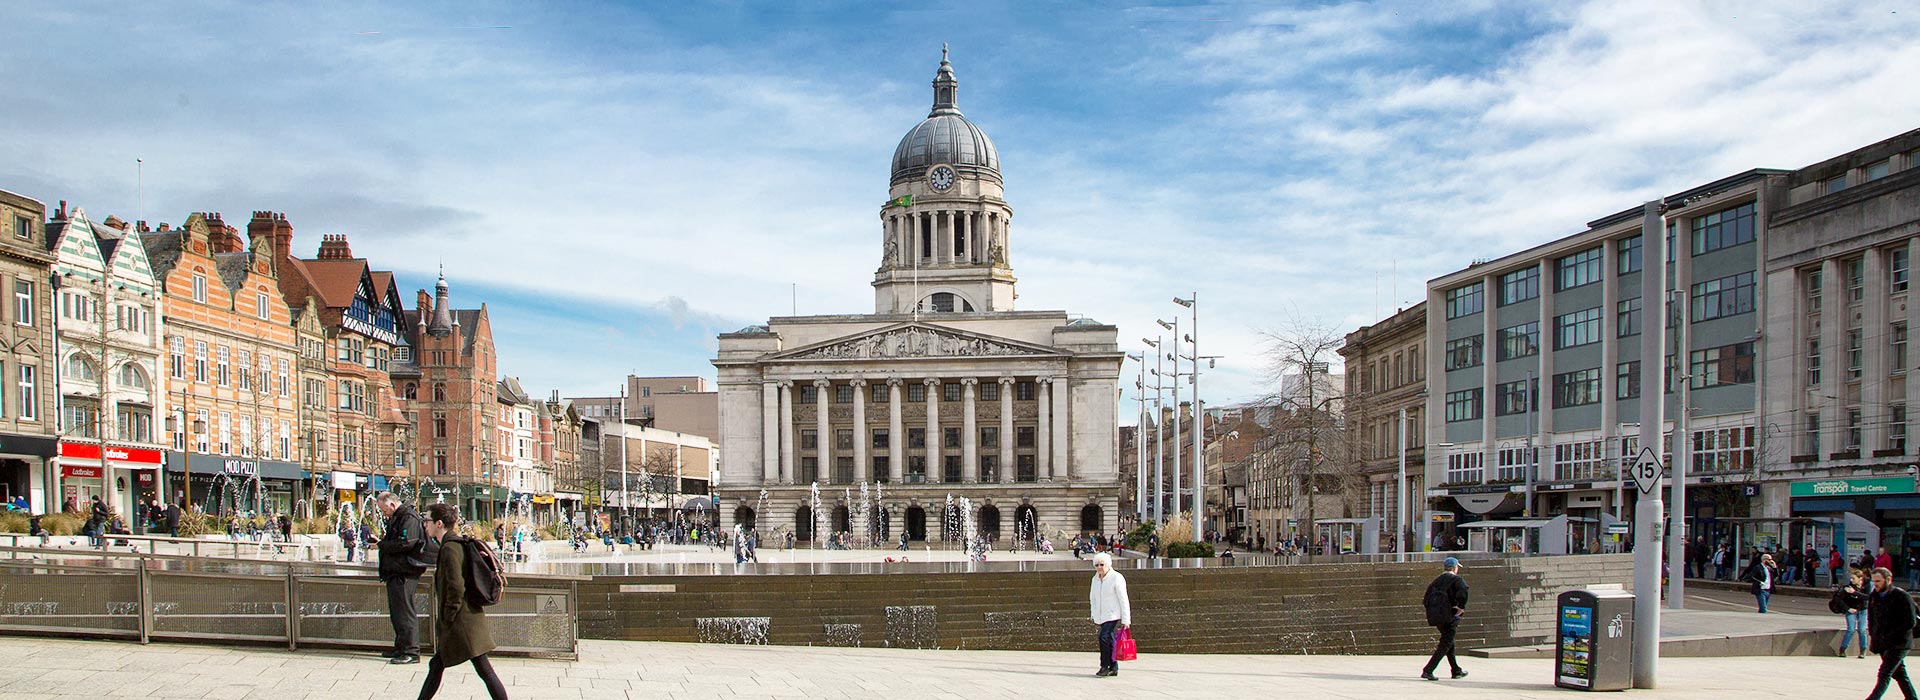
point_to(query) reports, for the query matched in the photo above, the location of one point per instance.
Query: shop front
(484, 502)
(1885, 512)
(126, 481)
(1459, 505)
(29, 473)
(232, 485)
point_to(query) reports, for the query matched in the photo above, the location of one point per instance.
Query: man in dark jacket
(1445, 601)
(1890, 633)
(173, 519)
(405, 554)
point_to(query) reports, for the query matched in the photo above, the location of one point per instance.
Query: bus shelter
(1348, 535)
(1563, 534)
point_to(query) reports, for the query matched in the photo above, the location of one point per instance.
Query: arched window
(132, 376)
(945, 302)
(412, 391)
(439, 391)
(78, 367)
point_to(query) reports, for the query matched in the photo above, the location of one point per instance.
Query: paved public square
(53, 668)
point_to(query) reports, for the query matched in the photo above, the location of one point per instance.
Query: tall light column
(1199, 424)
(1649, 512)
(1159, 439)
(1140, 441)
(1400, 494)
(1173, 354)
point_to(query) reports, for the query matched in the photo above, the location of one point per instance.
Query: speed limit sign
(1647, 470)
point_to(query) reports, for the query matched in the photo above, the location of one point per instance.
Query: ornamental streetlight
(1199, 420)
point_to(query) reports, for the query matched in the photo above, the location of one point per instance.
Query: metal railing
(144, 597)
(235, 549)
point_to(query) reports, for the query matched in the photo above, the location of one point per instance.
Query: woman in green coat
(461, 634)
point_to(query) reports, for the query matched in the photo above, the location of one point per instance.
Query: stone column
(901, 248)
(1061, 468)
(1833, 358)
(786, 432)
(860, 430)
(823, 432)
(944, 244)
(896, 434)
(973, 251)
(770, 432)
(1912, 397)
(913, 234)
(969, 433)
(933, 428)
(1043, 439)
(1875, 371)
(1007, 470)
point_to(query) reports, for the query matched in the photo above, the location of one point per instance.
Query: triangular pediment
(911, 341)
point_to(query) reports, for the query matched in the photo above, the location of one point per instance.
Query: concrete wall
(1343, 608)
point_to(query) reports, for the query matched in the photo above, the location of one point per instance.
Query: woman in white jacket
(1108, 599)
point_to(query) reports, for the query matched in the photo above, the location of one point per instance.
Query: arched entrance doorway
(990, 522)
(803, 524)
(1090, 518)
(743, 516)
(842, 520)
(1026, 523)
(917, 523)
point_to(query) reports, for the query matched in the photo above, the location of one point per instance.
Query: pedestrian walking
(1763, 575)
(460, 633)
(1913, 567)
(1110, 610)
(1445, 602)
(1883, 560)
(1153, 546)
(1851, 599)
(1720, 557)
(1890, 633)
(1810, 562)
(348, 540)
(405, 553)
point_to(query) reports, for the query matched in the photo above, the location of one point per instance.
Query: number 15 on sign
(1647, 470)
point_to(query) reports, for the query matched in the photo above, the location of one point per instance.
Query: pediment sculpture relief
(912, 342)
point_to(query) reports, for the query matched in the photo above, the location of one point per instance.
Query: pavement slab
(64, 668)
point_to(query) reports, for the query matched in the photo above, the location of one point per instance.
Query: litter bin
(1595, 647)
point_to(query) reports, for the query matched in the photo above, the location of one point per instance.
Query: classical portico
(944, 391)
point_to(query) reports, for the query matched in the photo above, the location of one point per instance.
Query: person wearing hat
(1108, 599)
(1445, 601)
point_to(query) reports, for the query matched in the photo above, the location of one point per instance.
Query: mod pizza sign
(1853, 487)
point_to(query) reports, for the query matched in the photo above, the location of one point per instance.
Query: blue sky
(619, 182)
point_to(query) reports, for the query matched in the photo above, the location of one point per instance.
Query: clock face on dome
(941, 178)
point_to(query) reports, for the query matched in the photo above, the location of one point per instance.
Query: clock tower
(944, 228)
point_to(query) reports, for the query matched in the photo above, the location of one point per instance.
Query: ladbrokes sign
(1853, 487)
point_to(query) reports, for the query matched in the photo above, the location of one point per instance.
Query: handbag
(1124, 648)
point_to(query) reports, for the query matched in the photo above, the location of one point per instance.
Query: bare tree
(1313, 444)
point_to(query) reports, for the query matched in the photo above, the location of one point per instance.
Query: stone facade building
(1385, 397)
(107, 315)
(27, 427)
(946, 390)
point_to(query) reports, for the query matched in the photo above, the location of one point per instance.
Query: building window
(1854, 354)
(1897, 349)
(1853, 430)
(843, 393)
(809, 439)
(1463, 405)
(1511, 398)
(917, 438)
(1629, 255)
(1579, 269)
(881, 439)
(1627, 317)
(1023, 437)
(222, 371)
(1580, 460)
(950, 392)
(1721, 366)
(1833, 184)
(809, 393)
(1626, 380)
(1723, 449)
(1578, 328)
(1465, 301)
(1576, 388)
(1519, 341)
(1023, 391)
(916, 392)
(439, 425)
(260, 306)
(843, 440)
(1813, 361)
(29, 393)
(950, 438)
(1856, 279)
(1519, 285)
(1026, 469)
(81, 417)
(22, 302)
(990, 391)
(1464, 468)
(950, 469)
(1723, 229)
(1897, 428)
(989, 437)
(23, 228)
(1464, 352)
(1515, 463)
(1811, 286)
(1727, 296)
(246, 373)
(1897, 270)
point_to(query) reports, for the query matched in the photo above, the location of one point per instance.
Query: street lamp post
(1140, 441)
(1199, 418)
(1173, 354)
(1159, 446)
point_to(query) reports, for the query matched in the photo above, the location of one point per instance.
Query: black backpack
(1837, 603)
(1438, 603)
(485, 581)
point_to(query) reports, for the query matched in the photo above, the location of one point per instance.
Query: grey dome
(945, 137)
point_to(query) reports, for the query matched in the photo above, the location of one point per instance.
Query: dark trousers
(1108, 632)
(480, 665)
(406, 637)
(1893, 666)
(1444, 649)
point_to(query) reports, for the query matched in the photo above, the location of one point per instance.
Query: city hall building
(945, 391)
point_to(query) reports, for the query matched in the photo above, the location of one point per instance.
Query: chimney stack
(333, 246)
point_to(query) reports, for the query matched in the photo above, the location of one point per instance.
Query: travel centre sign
(1853, 487)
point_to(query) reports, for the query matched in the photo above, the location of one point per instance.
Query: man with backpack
(1890, 633)
(405, 554)
(1445, 601)
(465, 580)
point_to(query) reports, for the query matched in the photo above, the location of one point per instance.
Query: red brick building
(447, 391)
